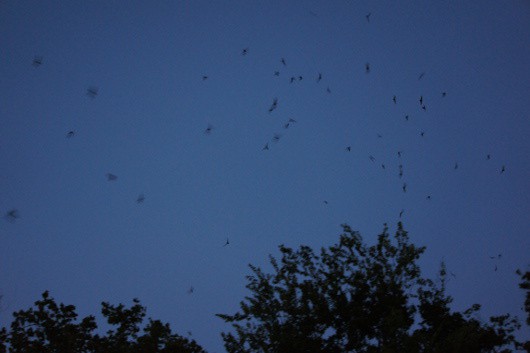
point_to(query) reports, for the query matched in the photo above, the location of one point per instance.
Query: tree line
(349, 297)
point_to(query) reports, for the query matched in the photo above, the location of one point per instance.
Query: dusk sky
(194, 146)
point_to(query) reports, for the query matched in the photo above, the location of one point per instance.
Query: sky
(194, 147)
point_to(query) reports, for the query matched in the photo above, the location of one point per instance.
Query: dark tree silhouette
(525, 284)
(53, 328)
(358, 298)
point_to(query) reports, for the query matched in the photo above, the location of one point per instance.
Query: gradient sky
(87, 240)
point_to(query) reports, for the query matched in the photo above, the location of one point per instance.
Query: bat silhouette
(92, 92)
(274, 105)
(12, 215)
(37, 61)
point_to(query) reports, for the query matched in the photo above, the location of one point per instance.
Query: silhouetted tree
(525, 284)
(52, 328)
(358, 298)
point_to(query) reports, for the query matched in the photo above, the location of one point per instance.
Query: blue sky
(86, 239)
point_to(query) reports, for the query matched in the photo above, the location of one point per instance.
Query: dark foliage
(525, 285)
(358, 298)
(52, 328)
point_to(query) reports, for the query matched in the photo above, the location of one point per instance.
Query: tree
(52, 328)
(358, 298)
(525, 285)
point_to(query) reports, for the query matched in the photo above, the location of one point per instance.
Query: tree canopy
(53, 328)
(358, 298)
(350, 297)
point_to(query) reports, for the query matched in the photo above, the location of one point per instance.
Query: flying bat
(289, 122)
(274, 105)
(37, 61)
(92, 92)
(12, 215)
